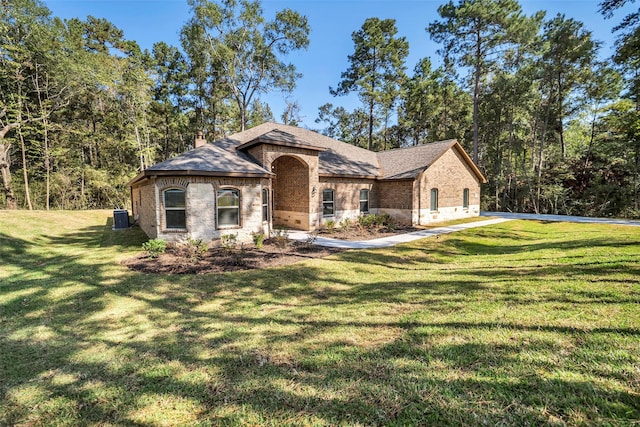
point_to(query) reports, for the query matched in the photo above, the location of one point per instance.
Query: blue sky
(331, 21)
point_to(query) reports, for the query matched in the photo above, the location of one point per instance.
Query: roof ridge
(449, 141)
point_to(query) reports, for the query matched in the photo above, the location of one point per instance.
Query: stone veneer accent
(201, 221)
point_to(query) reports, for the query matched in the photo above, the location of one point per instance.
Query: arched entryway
(290, 193)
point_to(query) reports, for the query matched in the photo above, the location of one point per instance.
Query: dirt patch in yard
(218, 260)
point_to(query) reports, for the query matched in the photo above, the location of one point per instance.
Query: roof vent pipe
(200, 141)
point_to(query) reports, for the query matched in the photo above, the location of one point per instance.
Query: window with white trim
(364, 201)
(465, 198)
(265, 205)
(175, 213)
(434, 199)
(228, 207)
(327, 203)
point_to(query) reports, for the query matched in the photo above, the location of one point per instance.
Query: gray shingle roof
(278, 137)
(228, 156)
(212, 160)
(405, 163)
(338, 158)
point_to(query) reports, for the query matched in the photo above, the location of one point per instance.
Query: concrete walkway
(385, 242)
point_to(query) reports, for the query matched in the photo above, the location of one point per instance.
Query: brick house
(278, 175)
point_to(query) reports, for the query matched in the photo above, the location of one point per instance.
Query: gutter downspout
(419, 196)
(156, 194)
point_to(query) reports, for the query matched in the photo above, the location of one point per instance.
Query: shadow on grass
(86, 341)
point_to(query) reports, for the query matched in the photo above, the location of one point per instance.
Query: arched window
(327, 203)
(364, 201)
(228, 207)
(175, 213)
(434, 199)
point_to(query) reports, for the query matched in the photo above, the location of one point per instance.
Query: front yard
(517, 323)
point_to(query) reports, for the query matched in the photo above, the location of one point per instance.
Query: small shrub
(229, 241)
(385, 219)
(258, 239)
(240, 255)
(367, 222)
(281, 238)
(330, 225)
(155, 247)
(194, 249)
(346, 224)
(311, 239)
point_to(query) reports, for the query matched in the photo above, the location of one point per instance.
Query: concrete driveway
(385, 242)
(563, 218)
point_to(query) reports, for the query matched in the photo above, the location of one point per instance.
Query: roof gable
(408, 163)
(280, 138)
(335, 157)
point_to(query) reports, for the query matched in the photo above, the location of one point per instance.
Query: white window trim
(332, 203)
(365, 200)
(164, 205)
(431, 200)
(265, 204)
(228, 226)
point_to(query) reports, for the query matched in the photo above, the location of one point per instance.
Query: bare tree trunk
(25, 176)
(371, 100)
(371, 125)
(140, 150)
(636, 202)
(47, 164)
(476, 99)
(563, 144)
(541, 155)
(5, 168)
(5, 162)
(82, 179)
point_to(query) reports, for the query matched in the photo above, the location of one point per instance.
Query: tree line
(554, 128)
(82, 109)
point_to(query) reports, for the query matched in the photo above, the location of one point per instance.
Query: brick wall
(395, 194)
(346, 197)
(291, 185)
(296, 172)
(299, 191)
(396, 199)
(201, 221)
(144, 208)
(450, 175)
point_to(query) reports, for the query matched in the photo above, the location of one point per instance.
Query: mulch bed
(218, 260)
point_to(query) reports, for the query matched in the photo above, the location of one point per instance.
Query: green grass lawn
(519, 323)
